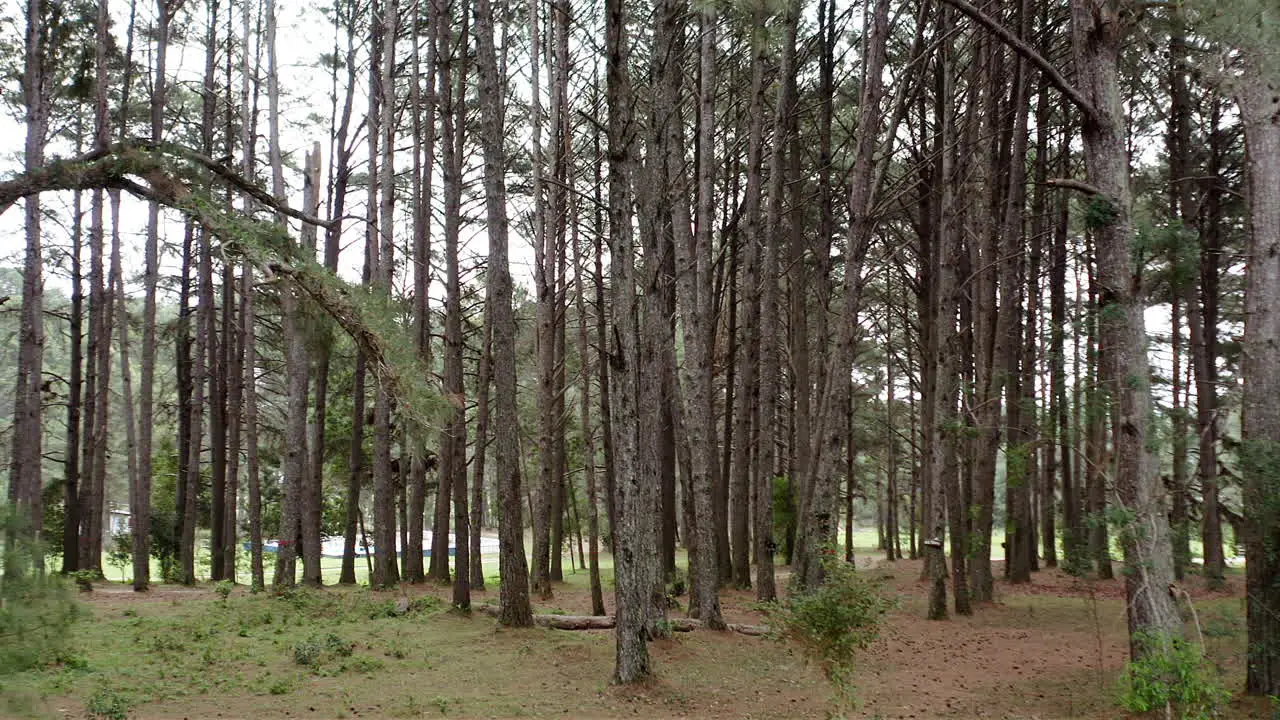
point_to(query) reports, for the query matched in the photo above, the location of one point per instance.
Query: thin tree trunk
(747, 344)
(309, 481)
(381, 123)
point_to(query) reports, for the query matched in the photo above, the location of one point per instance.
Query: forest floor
(1051, 649)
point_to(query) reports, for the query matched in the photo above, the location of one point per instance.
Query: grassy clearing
(348, 652)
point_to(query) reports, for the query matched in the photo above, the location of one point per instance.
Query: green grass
(344, 652)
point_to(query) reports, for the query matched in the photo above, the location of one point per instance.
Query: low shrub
(834, 621)
(317, 649)
(37, 611)
(108, 704)
(1176, 679)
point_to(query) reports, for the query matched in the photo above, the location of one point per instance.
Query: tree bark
(1100, 27)
(1260, 365)
(818, 508)
(514, 609)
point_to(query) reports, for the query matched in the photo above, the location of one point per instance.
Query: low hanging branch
(171, 171)
(1015, 43)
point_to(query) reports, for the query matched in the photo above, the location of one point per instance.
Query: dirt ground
(1051, 649)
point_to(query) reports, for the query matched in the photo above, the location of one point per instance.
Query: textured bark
(819, 507)
(1074, 541)
(1202, 318)
(75, 385)
(90, 520)
(381, 124)
(455, 462)
(514, 609)
(1260, 365)
(544, 280)
(452, 135)
(747, 343)
(1019, 469)
(1100, 27)
(309, 481)
(1096, 420)
(235, 423)
(257, 576)
(635, 557)
(356, 463)
(24, 469)
(770, 332)
(944, 482)
(693, 284)
(478, 477)
(1183, 287)
(588, 429)
(141, 513)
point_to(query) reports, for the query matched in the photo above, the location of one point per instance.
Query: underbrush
(833, 622)
(1176, 679)
(159, 651)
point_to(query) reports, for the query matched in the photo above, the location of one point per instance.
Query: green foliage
(677, 583)
(120, 554)
(37, 609)
(108, 704)
(83, 579)
(1099, 213)
(223, 588)
(1174, 678)
(784, 512)
(831, 623)
(318, 649)
(164, 543)
(364, 664)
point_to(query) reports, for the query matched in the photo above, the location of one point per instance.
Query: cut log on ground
(607, 622)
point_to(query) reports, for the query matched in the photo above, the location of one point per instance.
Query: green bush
(834, 621)
(37, 609)
(317, 649)
(108, 704)
(223, 588)
(1177, 680)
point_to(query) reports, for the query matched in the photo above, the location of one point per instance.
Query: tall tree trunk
(770, 334)
(126, 373)
(483, 383)
(513, 608)
(454, 383)
(1100, 29)
(24, 470)
(141, 513)
(635, 558)
(309, 482)
(693, 283)
(747, 343)
(1203, 320)
(819, 505)
(75, 386)
(588, 430)
(544, 280)
(423, 140)
(1260, 366)
(385, 571)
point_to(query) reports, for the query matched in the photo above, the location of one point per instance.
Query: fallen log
(607, 622)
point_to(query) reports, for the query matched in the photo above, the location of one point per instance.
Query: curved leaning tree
(170, 175)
